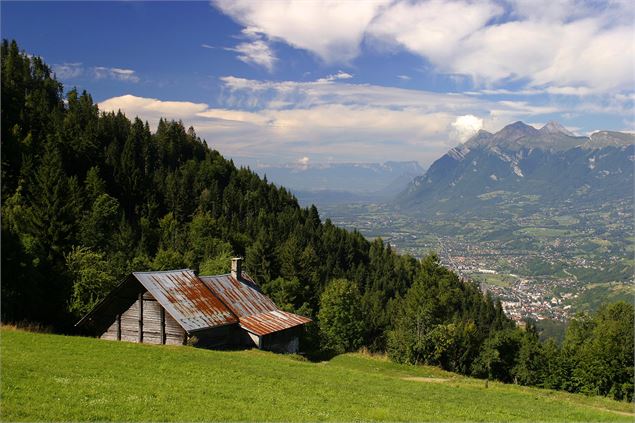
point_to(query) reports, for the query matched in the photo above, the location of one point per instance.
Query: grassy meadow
(58, 378)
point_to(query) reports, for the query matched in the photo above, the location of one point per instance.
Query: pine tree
(51, 218)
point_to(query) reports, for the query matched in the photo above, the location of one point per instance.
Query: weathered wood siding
(152, 324)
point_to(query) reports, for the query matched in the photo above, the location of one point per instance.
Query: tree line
(88, 197)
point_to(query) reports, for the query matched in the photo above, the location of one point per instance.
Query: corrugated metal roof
(243, 297)
(271, 321)
(186, 298)
(256, 312)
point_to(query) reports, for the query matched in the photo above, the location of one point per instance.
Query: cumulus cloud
(433, 29)
(332, 30)
(580, 45)
(152, 109)
(68, 70)
(126, 75)
(464, 127)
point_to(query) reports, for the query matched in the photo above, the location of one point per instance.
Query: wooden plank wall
(153, 317)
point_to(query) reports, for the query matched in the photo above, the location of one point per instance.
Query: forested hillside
(88, 197)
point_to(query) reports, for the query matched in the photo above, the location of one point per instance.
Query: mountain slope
(525, 166)
(58, 378)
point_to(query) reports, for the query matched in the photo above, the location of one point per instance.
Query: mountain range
(525, 167)
(333, 183)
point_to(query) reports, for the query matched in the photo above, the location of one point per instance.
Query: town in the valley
(547, 265)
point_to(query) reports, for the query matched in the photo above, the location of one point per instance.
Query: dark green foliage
(340, 317)
(499, 356)
(91, 281)
(604, 358)
(442, 320)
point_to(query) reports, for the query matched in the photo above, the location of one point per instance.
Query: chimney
(237, 264)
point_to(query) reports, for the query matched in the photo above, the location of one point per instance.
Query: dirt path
(442, 380)
(621, 413)
(425, 379)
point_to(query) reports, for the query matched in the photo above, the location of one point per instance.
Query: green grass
(602, 293)
(547, 232)
(55, 378)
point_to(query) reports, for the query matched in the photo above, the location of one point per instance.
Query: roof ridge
(164, 271)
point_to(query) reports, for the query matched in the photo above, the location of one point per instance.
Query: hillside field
(60, 378)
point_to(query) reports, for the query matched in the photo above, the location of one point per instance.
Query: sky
(270, 82)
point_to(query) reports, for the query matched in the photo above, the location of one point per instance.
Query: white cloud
(549, 45)
(332, 30)
(338, 75)
(565, 90)
(572, 54)
(126, 75)
(204, 45)
(464, 127)
(303, 162)
(68, 70)
(152, 109)
(281, 121)
(433, 29)
(257, 53)
(580, 46)
(404, 77)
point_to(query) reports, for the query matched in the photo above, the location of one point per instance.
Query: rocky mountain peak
(553, 128)
(516, 130)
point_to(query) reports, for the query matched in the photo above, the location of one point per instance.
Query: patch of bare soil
(425, 379)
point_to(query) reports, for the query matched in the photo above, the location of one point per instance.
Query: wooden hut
(172, 307)
(266, 325)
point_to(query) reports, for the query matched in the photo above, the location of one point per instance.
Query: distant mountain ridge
(330, 183)
(543, 165)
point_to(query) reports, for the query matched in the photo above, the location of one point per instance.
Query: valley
(539, 218)
(546, 264)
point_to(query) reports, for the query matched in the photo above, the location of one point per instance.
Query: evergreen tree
(340, 317)
(51, 218)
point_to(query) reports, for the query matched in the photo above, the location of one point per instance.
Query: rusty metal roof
(271, 321)
(243, 297)
(186, 298)
(256, 312)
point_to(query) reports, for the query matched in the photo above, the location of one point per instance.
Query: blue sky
(371, 80)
